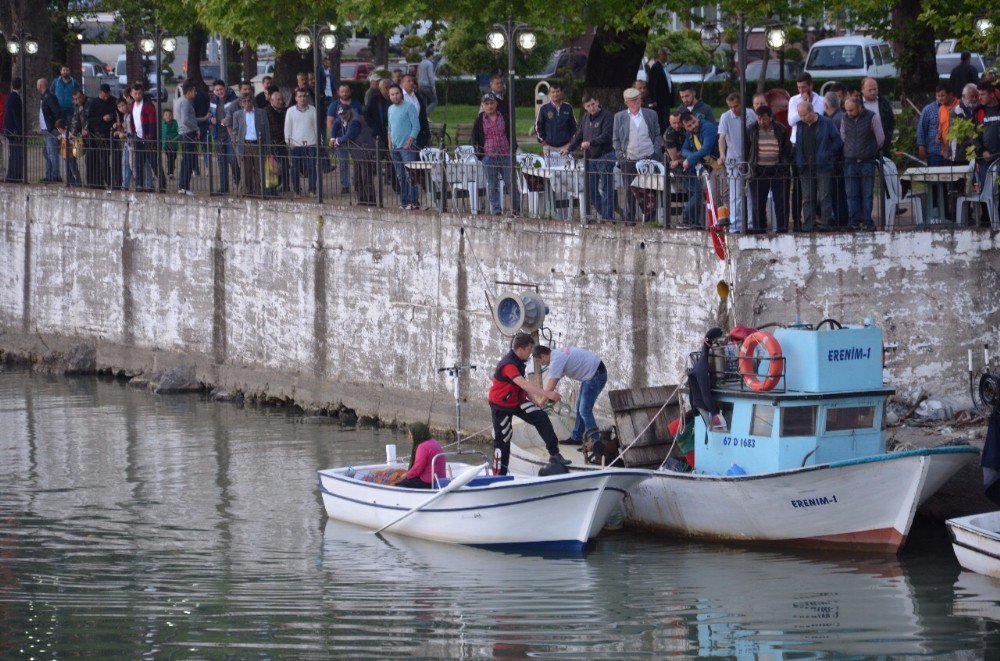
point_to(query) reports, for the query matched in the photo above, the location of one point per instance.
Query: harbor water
(139, 526)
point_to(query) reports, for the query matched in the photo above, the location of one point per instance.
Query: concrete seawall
(357, 306)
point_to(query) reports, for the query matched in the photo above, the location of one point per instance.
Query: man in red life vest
(513, 395)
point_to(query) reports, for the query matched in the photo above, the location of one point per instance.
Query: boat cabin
(826, 403)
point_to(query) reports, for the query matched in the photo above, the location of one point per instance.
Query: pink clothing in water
(422, 462)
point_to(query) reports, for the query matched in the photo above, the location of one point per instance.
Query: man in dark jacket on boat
(511, 395)
(700, 385)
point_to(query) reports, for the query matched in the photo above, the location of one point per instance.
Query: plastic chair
(466, 173)
(437, 174)
(987, 195)
(567, 185)
(892, 201)
(534, 197)
(464, 150)
(650, 167)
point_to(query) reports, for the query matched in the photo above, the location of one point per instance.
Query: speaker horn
(519, 312)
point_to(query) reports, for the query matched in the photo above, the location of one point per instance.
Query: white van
(850, 57)
(149, 64)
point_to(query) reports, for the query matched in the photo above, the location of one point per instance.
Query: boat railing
(456, 454)
(724, 368)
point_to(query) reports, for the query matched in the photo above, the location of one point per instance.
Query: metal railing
(778, 199)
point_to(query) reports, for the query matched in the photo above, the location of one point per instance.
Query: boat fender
(775, 362)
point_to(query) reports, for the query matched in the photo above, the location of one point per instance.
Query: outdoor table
(654, 182)
(936, 180)
(435, 186)
(559, 180)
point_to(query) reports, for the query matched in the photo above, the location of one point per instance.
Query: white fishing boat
(479, 509)
(802, 458)
(976, 542)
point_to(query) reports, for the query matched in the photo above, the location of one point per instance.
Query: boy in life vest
(513, 395)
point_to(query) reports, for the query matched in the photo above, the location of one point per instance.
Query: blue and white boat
(557, 512)
(803, 458)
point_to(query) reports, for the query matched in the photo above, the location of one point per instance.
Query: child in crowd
(171, 140)
(68, 151)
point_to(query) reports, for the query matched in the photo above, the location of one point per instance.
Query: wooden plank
(634, 410)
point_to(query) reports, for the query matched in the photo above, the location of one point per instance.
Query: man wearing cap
(352, 135)
(426, 80)
(374, 78)
(490, 137)
(100, 119)
(580, 365)
(344, 100)
(636, 137)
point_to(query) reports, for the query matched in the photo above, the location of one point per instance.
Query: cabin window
(763, 420)
(798, 421)
(851, 417)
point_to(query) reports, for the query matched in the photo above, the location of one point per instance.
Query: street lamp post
(160, 42)
(21, 44)
(503, 36)
(316, 37)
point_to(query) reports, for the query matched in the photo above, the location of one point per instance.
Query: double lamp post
(20, 44)
(160, 42)
(317, 37)
(504, 35)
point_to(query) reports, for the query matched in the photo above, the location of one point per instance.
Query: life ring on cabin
(776, 362)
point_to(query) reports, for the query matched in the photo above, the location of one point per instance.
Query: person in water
(425, 449)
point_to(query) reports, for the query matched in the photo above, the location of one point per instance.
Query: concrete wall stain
(319, 305)
(219, 334)
(128, 274)
(26, 284)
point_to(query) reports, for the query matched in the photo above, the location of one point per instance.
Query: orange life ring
(776, 363)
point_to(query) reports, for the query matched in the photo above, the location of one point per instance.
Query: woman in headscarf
(425, 449)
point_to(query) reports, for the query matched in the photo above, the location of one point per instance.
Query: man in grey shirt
(426, 80)
(187, 126)
(731, 154)
(583, 366)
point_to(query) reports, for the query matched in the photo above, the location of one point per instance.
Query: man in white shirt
(583, 366)
(300, 136)
(804, 83)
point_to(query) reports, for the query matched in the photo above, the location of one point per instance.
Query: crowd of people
(816, 168)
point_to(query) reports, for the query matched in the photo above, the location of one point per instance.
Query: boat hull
(563, 511)
(976, 542)
(862, 504)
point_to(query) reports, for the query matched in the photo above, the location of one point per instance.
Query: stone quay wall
(361, 307)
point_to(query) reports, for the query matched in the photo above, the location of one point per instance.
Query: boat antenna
(455, 372)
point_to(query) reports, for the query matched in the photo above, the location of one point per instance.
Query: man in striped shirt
(769, 155)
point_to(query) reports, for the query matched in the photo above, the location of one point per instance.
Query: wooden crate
(634, 408)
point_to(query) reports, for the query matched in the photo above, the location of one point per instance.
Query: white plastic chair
(568, 186)
(987, 195)
(464, 150)
(648, 166)
(892, 201)
(466, 173)
(437, 174)
(534, 197)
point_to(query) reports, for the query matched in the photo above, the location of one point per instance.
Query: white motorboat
(976, 542)
(802, 461)
(479, 509)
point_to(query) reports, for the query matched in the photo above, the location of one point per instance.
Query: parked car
(574, 59)
(355, 70)
(96, 65)
(947, 63)
(851, 57)
(792, 69)
(694, 73)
